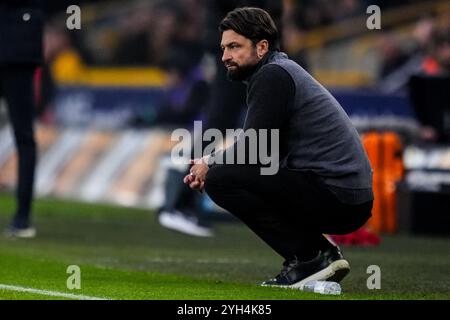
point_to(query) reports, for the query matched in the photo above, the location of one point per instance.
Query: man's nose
(225, 56)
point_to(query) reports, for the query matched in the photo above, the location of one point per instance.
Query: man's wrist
(208, 160)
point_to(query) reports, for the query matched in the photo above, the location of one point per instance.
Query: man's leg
(290, 211)
(179, 211)
(17, 85)
(175, 190)
(271, 206)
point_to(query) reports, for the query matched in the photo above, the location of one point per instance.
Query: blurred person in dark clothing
(428, 89)
(394, 56)
(437, 62)
(294, 30)
(181, 210)
(183, 66)
(186, 91)
(21, 24)
(134, 47)
(400, 64)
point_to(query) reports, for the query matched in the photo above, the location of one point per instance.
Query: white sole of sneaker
(336, 271)
(22, 234)
(185, 226)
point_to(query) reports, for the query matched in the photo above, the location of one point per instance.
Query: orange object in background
(384, 150)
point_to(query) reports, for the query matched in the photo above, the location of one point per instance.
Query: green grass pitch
(124, 254)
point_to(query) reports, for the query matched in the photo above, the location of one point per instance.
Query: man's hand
(196, 178)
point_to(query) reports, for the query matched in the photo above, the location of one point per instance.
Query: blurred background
(109, 95)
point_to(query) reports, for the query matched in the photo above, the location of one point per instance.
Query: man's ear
(262, 48)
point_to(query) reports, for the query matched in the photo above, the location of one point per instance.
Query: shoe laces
(288, 265)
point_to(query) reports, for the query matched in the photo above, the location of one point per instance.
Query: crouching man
(323, 184)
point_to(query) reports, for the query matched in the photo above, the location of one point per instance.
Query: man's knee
(214, 178)
(220, 177)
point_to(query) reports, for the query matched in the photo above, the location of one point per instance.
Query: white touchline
(49, 293)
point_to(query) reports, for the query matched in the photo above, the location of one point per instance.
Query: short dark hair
(252, 23)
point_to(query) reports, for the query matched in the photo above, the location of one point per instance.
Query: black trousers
(290, 210)
(16, 86)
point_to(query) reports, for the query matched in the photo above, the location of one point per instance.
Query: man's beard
(241, 73)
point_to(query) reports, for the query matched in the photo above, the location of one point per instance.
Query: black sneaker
(329, 265)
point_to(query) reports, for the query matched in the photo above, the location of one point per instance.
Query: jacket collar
(269, 57)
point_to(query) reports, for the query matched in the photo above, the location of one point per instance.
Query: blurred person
(399, 63)
(341, 9)
(324, 180)
(294, 28)
(428, 89)
(186, 91)
(187, 96)
(165, 25)
(134, 44)
(182, 210)
(21, 25)
(62, 58)
(62, 63)
(393, 53)
(147, 34)
(437, 62)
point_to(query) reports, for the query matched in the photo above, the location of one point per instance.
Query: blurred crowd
(152, 32)
(424, 50)
(180, 37)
